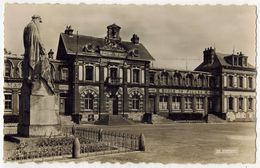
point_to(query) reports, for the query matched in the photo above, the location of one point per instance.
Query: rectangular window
(250, 82)
(136, 76)
(230, 81)
(200, 103)
(250, 104)
(188, 103)
(152, 78)
(176, 103)
(8, 102)
(8, 69)
(230, 103)
(240, 62)
(240, 79)
(64, 74)
(136, 102)
(240, 103)
(89, 73)
(163, 104)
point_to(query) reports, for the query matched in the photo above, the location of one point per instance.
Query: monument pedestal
(39, 114)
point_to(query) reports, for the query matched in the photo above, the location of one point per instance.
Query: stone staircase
(158, 119)
(113, 120)
(215, 119)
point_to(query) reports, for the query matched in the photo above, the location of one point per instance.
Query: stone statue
(36, 63)
(39, 108)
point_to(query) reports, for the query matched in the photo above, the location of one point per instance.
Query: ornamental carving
(135, 90)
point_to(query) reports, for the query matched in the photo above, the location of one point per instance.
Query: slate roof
(219, 60)
(70, 44)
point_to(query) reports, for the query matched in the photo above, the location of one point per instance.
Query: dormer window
(64, 73)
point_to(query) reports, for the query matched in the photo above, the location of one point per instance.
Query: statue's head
(37, 18)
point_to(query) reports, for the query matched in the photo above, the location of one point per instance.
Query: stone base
(39, 112)
(38, 130)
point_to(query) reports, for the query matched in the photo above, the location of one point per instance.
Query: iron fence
(93, 141)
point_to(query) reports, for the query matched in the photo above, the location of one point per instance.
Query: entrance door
(151, 104)
(210, 105)
(115, 106)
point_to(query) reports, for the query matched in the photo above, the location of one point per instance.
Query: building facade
(100, 76)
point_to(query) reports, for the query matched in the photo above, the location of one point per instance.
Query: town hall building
(94, 77)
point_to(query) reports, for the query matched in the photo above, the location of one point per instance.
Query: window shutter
(142, 76)
(128, 75)
(121, 73)
(80, 72)
(105, 73)
(97, 73)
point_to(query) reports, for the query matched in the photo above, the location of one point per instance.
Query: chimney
(50, 54)
(135, 39)
(68, 30)
(209, 54)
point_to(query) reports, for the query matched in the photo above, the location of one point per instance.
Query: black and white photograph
(120, 83)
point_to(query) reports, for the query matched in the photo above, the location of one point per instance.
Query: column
(253, 82)
(170, 103)
(205, 104)
(224, 109)
(235, 104)
(146, 89)
(125, 94)
(245, 104)
(235, 81)
(75, 98)
(15, 103)
(182, 103)
(244, 82)
(101, 91)
(194, 103)
(157, 99)
(225, 80)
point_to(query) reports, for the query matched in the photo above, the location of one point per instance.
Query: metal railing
(93, 141)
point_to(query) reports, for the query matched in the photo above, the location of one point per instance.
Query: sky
(174, 35)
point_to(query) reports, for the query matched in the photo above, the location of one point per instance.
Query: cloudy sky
(174, 35)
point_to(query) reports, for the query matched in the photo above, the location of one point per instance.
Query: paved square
(186, 143)
(190, 143)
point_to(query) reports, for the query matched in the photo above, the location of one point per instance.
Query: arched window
(177, 79)
(88, 99)
(8, 69)
(164, 79)
(230, 103)
(135, 102)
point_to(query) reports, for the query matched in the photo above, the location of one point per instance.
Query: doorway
(151, 104)
(115, 105)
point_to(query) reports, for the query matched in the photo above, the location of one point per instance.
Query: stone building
(99, 76)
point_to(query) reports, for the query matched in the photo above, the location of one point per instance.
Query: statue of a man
(36, 64)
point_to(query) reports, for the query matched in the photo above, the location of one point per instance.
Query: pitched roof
(219, 60)
(70, 45)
